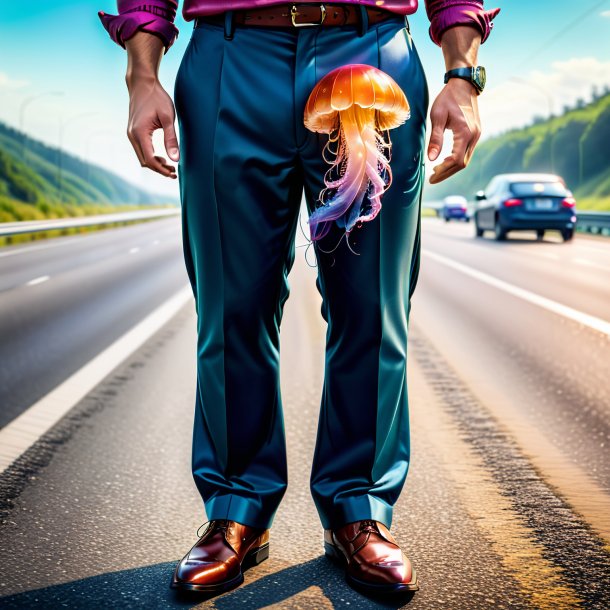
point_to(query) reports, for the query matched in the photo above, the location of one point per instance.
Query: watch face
(479, 77)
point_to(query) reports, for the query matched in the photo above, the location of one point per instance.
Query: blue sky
(560, 48)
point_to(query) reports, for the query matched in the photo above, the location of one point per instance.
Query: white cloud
(517, 101)
(6, 82)
(514, 103)
(605, 13)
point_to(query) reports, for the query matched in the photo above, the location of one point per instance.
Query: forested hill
(45, 177)
(575, 145)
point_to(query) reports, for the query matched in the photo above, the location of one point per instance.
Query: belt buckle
(294, 12)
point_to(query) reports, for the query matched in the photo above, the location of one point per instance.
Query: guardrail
(35, 226)
(597, 223)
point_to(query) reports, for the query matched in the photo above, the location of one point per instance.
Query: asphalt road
(507, 499)
(64, 300)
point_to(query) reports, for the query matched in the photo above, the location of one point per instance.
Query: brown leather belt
(301, 15)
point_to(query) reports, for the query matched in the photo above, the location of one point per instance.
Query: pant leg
(240, 192)
(362, 450)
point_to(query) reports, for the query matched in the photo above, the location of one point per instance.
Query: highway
(507, 502)
(64, 300)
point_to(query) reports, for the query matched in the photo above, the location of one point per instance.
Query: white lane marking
(555, 257)
(600, 250)
(21, 433)
(588, 263)
(38, 280)
(593, 322)
(134, 250)
(33, 248)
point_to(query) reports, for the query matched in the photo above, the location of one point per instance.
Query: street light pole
(63, 124)
(24, 104)
(90, 137)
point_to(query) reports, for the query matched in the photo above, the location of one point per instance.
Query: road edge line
(540, 580)
(580, 317)
(28, 427)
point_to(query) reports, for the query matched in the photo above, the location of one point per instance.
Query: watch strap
(468, 73)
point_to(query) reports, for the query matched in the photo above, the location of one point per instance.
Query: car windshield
(533, 189)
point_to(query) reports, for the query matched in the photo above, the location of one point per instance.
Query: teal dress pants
(246, 158)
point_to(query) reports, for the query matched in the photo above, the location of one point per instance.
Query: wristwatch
(473, 74)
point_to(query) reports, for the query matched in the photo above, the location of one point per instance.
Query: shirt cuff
(154, 17)
(461, 13)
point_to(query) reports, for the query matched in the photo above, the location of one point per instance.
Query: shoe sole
(253, 557)
(335, 555)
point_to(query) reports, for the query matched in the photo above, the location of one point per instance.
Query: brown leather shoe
(373, 560)
(216, 562)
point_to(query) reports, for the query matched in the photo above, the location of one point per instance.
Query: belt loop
(229, 25)
(363, 24)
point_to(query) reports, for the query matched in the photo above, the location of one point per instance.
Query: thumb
(436, 136)
(170, 139)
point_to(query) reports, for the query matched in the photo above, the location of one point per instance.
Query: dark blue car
(455, 208)
(525, 202)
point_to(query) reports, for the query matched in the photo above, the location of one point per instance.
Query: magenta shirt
(157, 16)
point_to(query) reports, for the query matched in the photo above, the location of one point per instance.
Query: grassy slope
(29, 173)
(30, 181)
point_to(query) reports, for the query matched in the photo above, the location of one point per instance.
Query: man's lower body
(246, 157)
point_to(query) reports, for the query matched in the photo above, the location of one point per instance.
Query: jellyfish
(357, 105)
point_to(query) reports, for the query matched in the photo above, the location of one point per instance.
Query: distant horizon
(539, 57)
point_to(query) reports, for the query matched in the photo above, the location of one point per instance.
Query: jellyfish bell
(362, 85)
(355, 103)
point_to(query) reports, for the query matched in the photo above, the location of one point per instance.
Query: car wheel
(477, 230)
(567, 234)
(499, 232)
(540, 234)
(467, 219)
(446, 219)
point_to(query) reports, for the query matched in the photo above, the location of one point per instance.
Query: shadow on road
(148, 587)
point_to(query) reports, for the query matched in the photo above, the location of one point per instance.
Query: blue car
(525, 202)
(455, 208)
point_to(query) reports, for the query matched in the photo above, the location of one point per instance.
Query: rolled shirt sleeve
(444, 14)
(152, 16)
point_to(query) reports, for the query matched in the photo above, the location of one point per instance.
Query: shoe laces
(367, 525)
(215, 524)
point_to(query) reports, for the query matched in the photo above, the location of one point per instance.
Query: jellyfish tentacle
(376, 166)
(353, 183)
(369, 138)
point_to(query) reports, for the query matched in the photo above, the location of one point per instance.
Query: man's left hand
(454, 108)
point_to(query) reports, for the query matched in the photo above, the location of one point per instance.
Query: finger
(444, 170)
(439, 122)
(160, 165)
(152, 161)
(136, 146)
(461, 140)
(169, 137)
(144, 141)
(463, 145)
(472, 145)
(472, 131)
(169, 170)
(450, 165)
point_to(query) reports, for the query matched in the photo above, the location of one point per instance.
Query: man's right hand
(150, 107)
